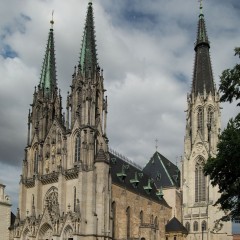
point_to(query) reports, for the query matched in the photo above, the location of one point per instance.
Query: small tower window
(187, 226)
(195, 226)
(204, 226)
(200, 120)
(210, 116)
(77, 148)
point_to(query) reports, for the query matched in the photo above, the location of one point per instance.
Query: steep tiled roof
(202, 75)
(125, 175)
(88, 55)
(163, 171)
(175, 226)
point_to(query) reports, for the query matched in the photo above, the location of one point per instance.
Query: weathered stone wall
(154, 216)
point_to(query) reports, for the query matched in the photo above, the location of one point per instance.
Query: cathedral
(73, 186)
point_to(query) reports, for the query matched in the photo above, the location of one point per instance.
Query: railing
(125, 159)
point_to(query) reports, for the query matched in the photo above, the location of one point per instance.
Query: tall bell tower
(65, 187)
(200, 217)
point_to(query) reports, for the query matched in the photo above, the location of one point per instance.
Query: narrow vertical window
(74, 199)
(204, 226)
(187, 226)
(210, 116)
(195, 226)
(200, 181)
(77, 148)
(128, 222)
(200, 120)
(35, 167)
(141, 217)
(113, 219)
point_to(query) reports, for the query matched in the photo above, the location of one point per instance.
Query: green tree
(224, 169)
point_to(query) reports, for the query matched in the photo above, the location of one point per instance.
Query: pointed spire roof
(202, 76)
(88, 55)
(48, 81)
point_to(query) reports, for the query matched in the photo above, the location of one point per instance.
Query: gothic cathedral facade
(74, 187)
(67, 158)
(200, 217)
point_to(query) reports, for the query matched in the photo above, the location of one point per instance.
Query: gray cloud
(146, 51)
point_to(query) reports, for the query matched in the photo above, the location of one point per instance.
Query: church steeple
(203, 76)
(48, 82)
(88, 55)
(47, 100)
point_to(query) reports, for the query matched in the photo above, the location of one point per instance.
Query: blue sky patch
(8, 52)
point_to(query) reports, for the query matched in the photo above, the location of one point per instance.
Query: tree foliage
(230, 82)
(224, 169)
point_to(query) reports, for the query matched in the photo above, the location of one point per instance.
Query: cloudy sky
(146, 48)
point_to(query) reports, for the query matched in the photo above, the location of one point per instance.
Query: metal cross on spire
(156, 141)
(201, 6)
(52, 22)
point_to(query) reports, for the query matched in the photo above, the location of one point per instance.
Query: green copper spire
(88, 55)
(48, 82)
(202, 76)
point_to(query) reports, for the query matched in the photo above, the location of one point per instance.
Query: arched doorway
(45, 232)
(67, 233)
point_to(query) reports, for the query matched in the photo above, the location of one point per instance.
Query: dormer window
(122, 175)
(148, 188)
(135, 181)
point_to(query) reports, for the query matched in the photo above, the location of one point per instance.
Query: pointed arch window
(35, 167)
(195, 226)
(77, 148)
(141, 217)
(74, 199)
(210, 116)
(200, 181)
(200, 120)
(187, 226)
(128, 222)
(204, 225)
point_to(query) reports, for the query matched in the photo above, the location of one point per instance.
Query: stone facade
(5, 214)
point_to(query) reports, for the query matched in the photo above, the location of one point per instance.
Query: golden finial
(52, 22)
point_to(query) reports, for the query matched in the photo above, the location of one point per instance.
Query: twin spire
(202, 78)
(88, 55)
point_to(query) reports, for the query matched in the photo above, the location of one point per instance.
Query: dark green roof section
(128, 176)
(175, 226)
(48, 81)
(164, 173)
(88, 55)
(203, 75)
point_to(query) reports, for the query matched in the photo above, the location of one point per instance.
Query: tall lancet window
(200, 181)
(200, 120)
(77, 148)
(128, 222)
(35, 166)
(210, 116)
